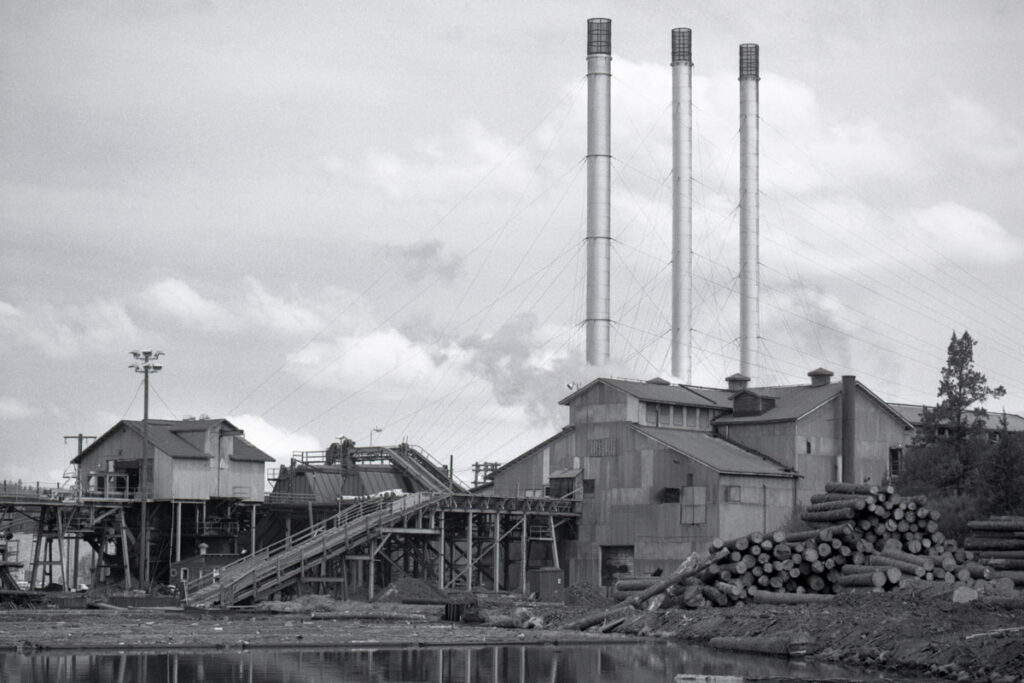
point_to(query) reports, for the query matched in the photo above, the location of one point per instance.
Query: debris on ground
(412, 591)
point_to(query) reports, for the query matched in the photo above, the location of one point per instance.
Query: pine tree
(958, 419)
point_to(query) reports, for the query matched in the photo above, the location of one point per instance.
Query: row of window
(667, 415)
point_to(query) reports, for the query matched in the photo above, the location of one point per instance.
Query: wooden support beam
(524, 551)
(469, 553)
(554, 542)
(497, 551)
(412, 531)
(441, 556)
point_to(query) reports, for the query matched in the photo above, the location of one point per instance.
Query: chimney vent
(737, 381)
(599, 36)
(749, 62)
(681, 48)
(820, 377)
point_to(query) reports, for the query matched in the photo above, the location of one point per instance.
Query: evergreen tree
(958, 419)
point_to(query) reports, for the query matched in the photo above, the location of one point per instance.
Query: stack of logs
(869, 538)
(998, 542)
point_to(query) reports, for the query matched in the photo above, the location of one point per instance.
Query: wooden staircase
(283, 564)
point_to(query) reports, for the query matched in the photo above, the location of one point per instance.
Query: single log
(875, 579)
(908, 567)
(1001, 563)
(1000, 554)
(842, 487)
(816, 583)
(785, 646)
(838, 530)
(829, 515)
(1016, 576)
(628, 585)
(771, 597)
(855, 503)
(830, 497)
(975, 543)
(920, 560)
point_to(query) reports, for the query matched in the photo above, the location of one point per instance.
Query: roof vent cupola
(737, 381)
(820, 377)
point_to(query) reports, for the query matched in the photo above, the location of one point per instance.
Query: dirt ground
(910, 632)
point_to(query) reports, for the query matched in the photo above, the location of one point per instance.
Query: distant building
(664, 468)
(915, 414)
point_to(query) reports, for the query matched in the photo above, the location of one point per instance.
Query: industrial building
(663, 468)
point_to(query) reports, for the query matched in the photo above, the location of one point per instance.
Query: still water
(632, 663)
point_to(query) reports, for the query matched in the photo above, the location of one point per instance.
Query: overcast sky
(335, 217)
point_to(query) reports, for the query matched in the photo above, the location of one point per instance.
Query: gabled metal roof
(661, 392)
(168, 436)
(717, 453)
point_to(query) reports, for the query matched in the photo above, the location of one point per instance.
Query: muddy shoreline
(909, 634)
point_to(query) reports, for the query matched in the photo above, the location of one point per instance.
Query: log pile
(998, 543)
(868, 538)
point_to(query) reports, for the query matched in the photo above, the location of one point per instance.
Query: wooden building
(204, 483)
(192, 460)
(664, 468)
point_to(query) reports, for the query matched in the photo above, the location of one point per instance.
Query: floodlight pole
(145, 364)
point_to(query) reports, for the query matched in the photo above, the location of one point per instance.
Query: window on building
(668, 495)
(652, 414)
(704, 418)
(588, 486)
(184, 573)
(615, 560)
(693, 505)
(561, 487)
(664, 414)
(691, 417)
(732, 494)
(895, 461)
(601, 448)
(689, 478)
(808, 446)
(677, 416)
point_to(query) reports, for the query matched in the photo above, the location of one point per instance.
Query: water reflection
(636, 663)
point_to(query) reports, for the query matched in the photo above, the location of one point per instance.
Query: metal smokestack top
(682, 205)
(599, 58)
(749, 278)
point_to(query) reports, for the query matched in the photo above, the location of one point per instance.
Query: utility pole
(80, 438)
(145, 363)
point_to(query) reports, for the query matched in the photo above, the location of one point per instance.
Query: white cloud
(67, 331)
(436, 167)
(272, 440)
(383, 359)
(974, 130)
(12, 408)
(961, 234)
(267, 310)
(179, 300)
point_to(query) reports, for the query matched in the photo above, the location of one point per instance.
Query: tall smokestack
(599, 61)
(682, 205)
(749, 285)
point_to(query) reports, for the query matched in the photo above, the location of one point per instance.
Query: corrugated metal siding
(379, 479)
